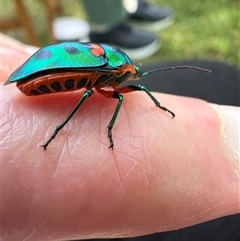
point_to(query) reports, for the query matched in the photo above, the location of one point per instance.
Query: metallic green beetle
(70, 66)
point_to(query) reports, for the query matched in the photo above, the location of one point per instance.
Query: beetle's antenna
(175, 67)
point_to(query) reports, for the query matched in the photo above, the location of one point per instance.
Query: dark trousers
(105, 12)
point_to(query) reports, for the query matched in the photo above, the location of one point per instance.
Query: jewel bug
(70, 66)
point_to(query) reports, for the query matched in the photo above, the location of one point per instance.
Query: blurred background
(202, 29)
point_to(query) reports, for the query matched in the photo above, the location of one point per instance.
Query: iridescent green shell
(71, 55)
(115, 56)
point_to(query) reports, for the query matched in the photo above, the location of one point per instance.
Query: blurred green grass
(202, 29)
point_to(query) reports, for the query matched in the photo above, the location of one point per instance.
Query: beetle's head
(138, 74)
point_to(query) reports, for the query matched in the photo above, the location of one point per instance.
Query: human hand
(163, 173)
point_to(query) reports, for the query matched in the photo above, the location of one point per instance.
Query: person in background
(111, 23)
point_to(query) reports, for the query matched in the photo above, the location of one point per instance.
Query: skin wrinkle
(127, 157)
(118, 172)
(30, 235)
(93, 156)
(104, 143)
(148, 141)
(51, 206)
(22, 129)
(145, 168)
(99, 130)
(67, 150)
(43, 216)
(102, 161)
(58, 227)
(14, 135)
(126, 116)
(128, 124)
(69, 145)
(22, 222)
(123, 136)
(130, 170)
(109, 193)
(135, 162)
(100, 134)
(62, 155)
(83, 153)
(188, 219)
(88, 115)
(198, 216)
(33, 120)
(203, 211)
(5, 133)
(79, 139)
(74, 179)
(76, 140)
(49, 202)
(182, 219)
(194, 213)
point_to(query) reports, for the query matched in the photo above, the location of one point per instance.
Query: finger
(163, 173)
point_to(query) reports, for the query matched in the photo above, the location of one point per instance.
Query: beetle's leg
(116, 95)
(86, 94)
(131, 88)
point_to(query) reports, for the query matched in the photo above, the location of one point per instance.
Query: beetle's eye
(136, 69)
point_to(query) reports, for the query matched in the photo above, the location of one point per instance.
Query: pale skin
(163, 174)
